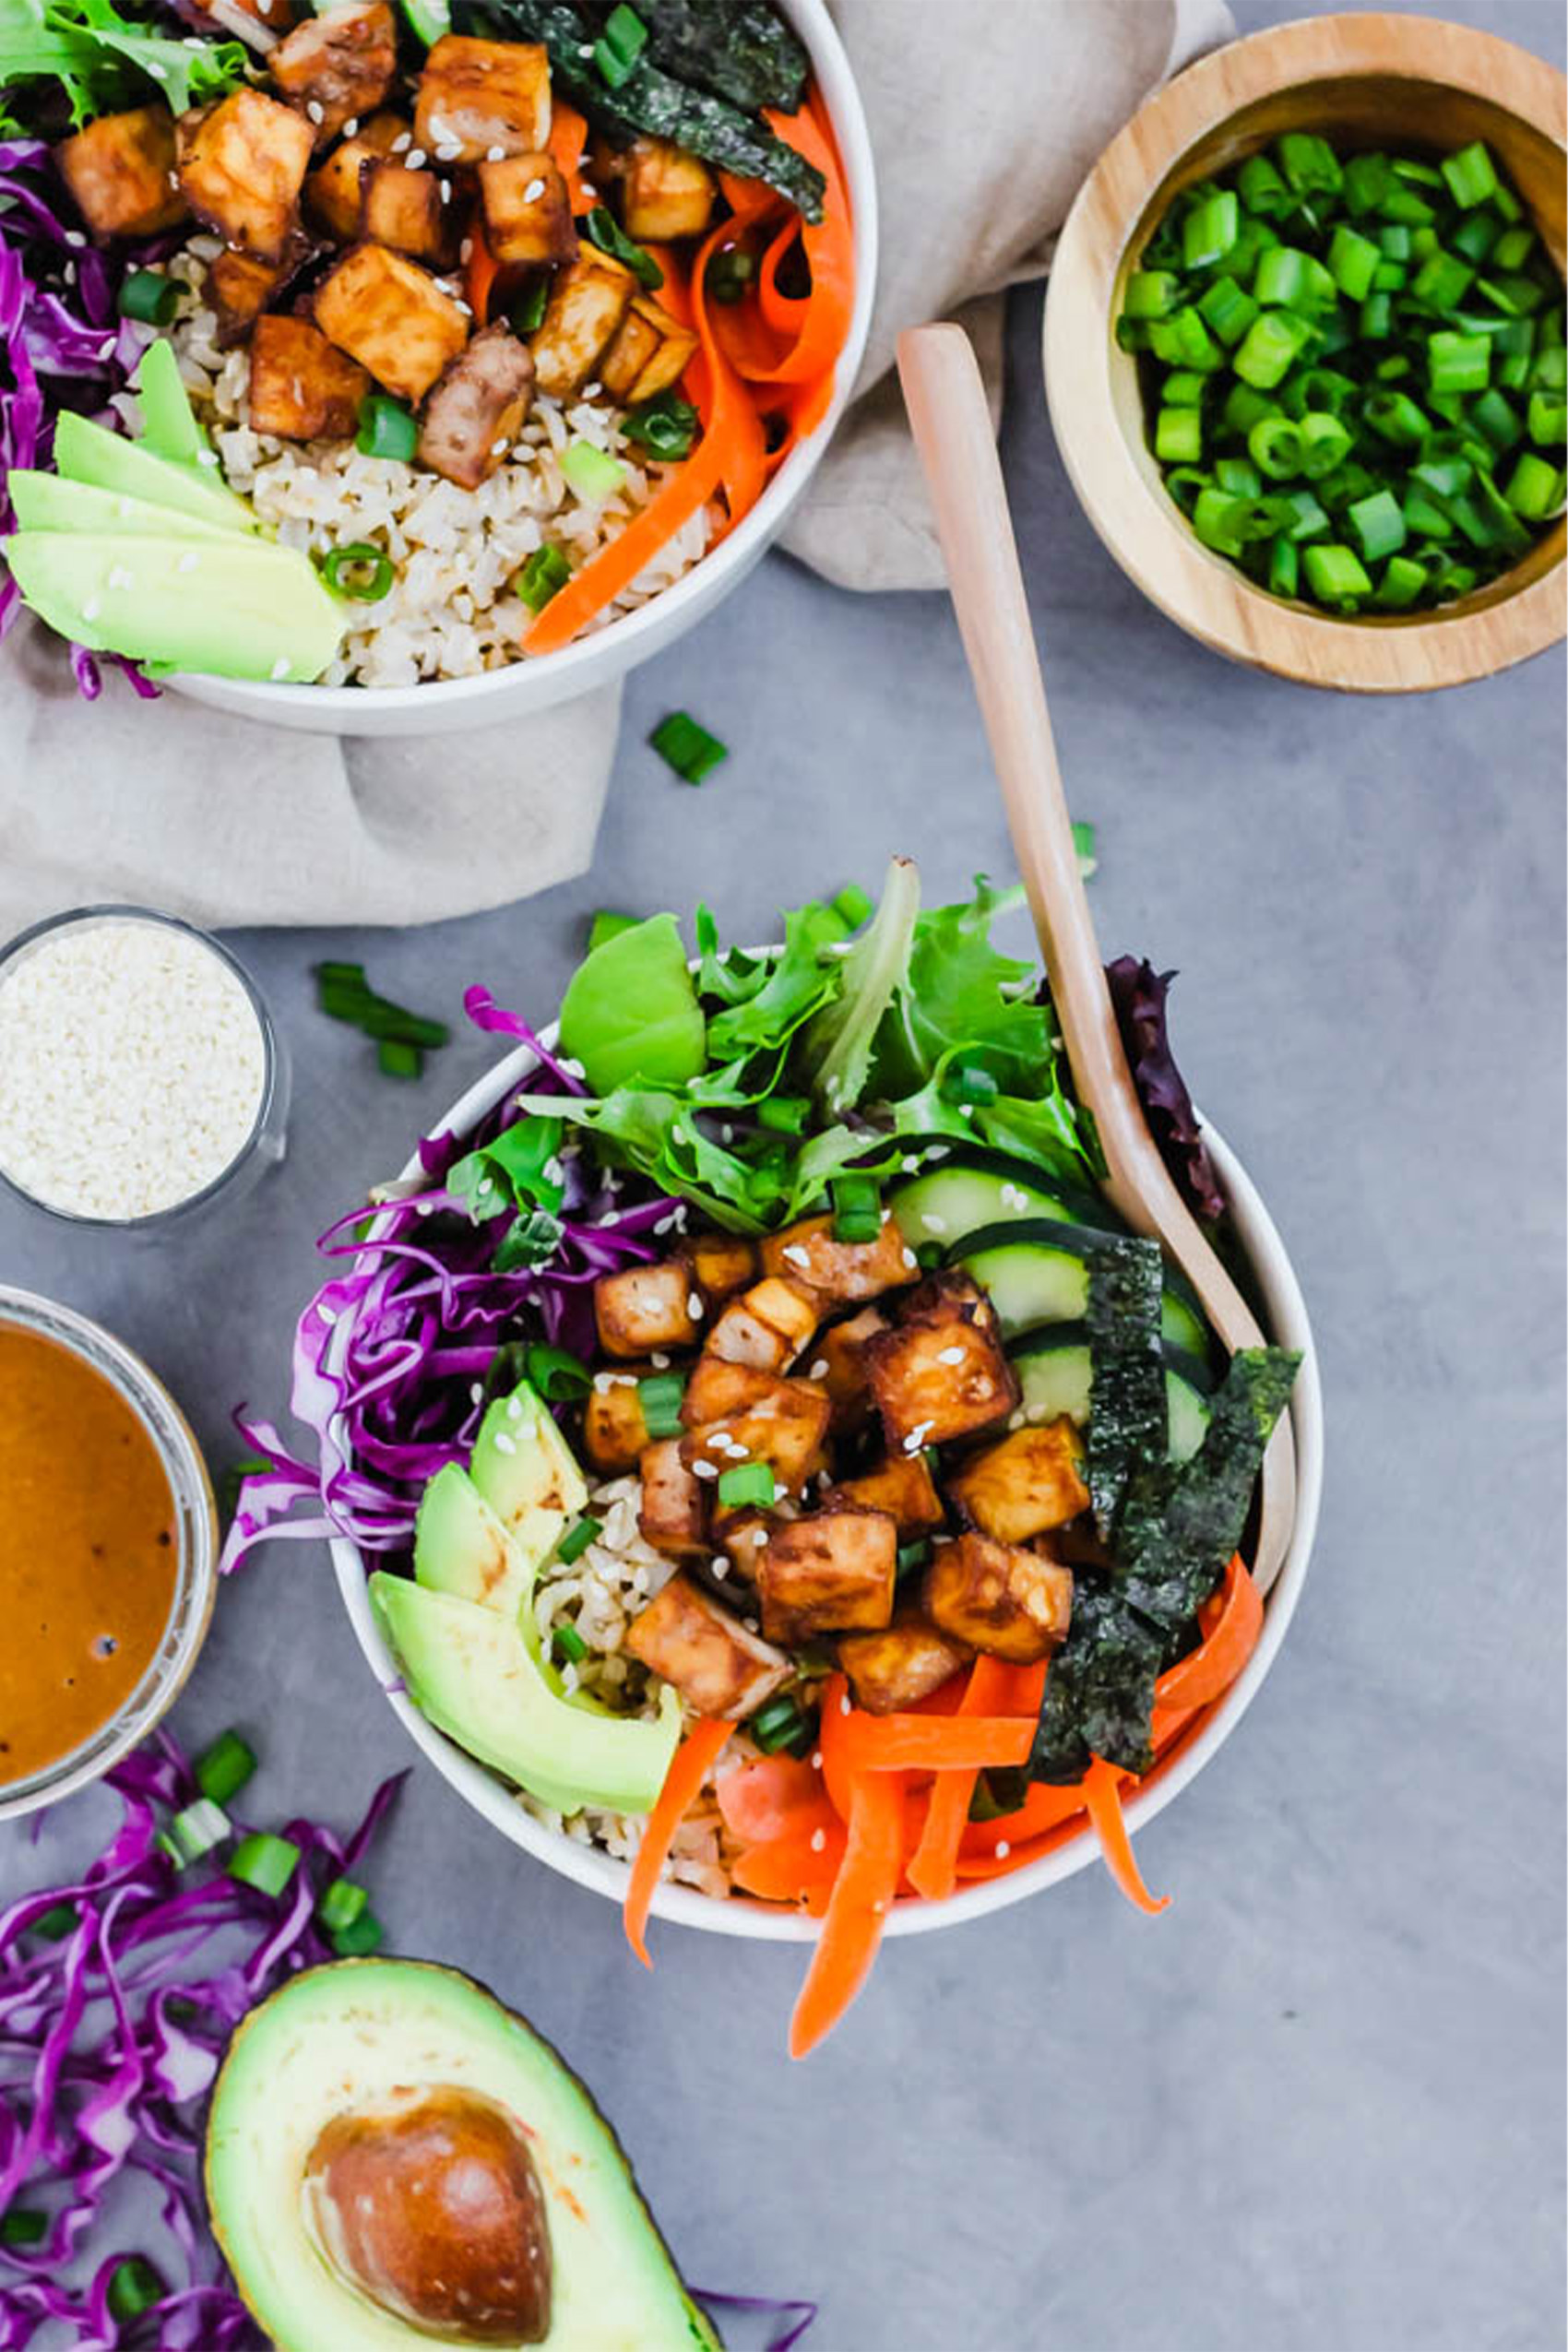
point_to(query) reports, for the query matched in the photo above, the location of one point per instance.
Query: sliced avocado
(50, 503)
(472, 1672)
(328, 2095)
(169, 425)
(87, 452)
(231, 607)
(461, 1547)
(524, 1469)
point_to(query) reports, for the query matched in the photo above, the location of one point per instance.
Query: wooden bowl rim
(1476, 636)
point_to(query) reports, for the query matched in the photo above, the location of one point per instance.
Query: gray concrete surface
(1317, 2107)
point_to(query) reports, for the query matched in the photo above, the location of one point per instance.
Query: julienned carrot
(830, 249)
(689, 1767)
(726, 408)
(937, 1743)
(568, 135)
(857, 1908)
(1231, 1621)
(933, 1866)
(480, 273)
(1103, 1791)
(788, 1870)
(617, 565)
(772, 1797)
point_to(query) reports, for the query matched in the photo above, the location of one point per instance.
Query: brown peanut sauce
(87, 1557)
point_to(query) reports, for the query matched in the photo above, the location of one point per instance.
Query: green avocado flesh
(227, 606)
(50, 503)
(169, 425)
(87, 452)
(366, 2039)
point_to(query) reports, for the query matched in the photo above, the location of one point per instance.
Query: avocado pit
(431, 2206)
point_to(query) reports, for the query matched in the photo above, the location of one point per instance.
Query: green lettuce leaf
(88, 45)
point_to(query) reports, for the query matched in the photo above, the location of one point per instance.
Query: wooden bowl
(1366, 82)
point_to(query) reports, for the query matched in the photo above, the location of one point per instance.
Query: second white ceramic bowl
(441, 706)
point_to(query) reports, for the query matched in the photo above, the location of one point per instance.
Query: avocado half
(395, 2160)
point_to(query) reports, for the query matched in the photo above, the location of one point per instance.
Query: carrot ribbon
(857, 1910)
(689, 1767)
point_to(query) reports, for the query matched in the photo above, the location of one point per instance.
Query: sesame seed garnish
(932, 1223)
(844, 1706)
(496, 154)
(316, 109)
(795, 1253)
(416, 159)
(950, 1354)
(505, 1444)
(705, 1469)
(1001, 1849)
(350, 127)
(279, 668)
(534, 190)
(819, 1841)
(909, 1258)
(819, 1369)
(694, 1307)
(660, 1361)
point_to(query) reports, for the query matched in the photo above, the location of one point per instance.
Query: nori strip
(1100, 1692)
(1178, 1527)
(649, 99)
(740, 50)
(1128, 1417)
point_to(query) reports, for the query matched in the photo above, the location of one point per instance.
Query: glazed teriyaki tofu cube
(121, 171)
(941, 1372)
(337, 67)
(1029, 1483)
(647, 1307)
(901, 1667)
(718, 1665)
(393, 317)
(241, 165)
(482, 100)
(1015, 1604)
(302, 388)
(831, 1571)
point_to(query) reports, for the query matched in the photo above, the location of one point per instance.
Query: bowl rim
(1135, 516)
(741, 1916)
(581, 665)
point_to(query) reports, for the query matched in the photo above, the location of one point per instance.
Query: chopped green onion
(1185, 341)
(568, 1644)
(196, 1830)
(913, 1555)
(1269, 349)
(782, 1723)
(1458, 363)
(606, 234)
(1378, 524)
(361, 571)
(1547, 419)
(22, 2228)
(856, 1208)
(1535, 489)
(1085, 847)
(558, 1375)
(1151, 293)
(388, 428)
(1178, 436)
(544, 574)
(659, 1396)
(378, 1017)
(1401, 584)
(527, 313)
(1442, 281)
(395, 1058)
(1352, 262)
(1513, 249)
(264, 1861)
(853, 906)
(1262, 190)
(689, 749)
(1496, 418)
(729, 273)
(1334, 575)
(606, 924)
(1283, 566)
(1326, 441)
(150, 296)
(592, 472)
(1229, 309)
(56, 1924)
(1275, 447)
(1471, 175)
(665, 426)
(620, 46)
(134, 2288)
(1310, 164)
(1210, 229)
(342, 1902)
(745, 1484)
(579, 1535)
(359, 1940)
(1184, 390)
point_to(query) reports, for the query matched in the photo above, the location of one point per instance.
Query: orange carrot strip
(830, 253)
(1167, 1725)
(1007, 1858)
(689, 1767)
(837, 1715)
(729, 413)
(1102, 1790)
(772, 1797)
(747, 199)
(1231, 1621)
(786, 1870)
(857, 1908)
(479, 274)
(932, 1866)
(1044, 1807)
(615, 566)
(568, 136)
(935, 1743)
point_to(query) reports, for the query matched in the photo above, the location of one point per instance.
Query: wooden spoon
(953, 433)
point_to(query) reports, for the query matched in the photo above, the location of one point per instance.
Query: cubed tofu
(781, 1422)
(716, 1664)
(1014, 1603)
(527, 210)
(615, 1430)
(241, 165)
(742, 1535)
(238, 288)
(901, 1667)
(766, 1326)
(903, 1485)
(121, 173)
(1023, 1485)
(673, 1517)
(302, 388)
(837, 1360)
(940, 1371)
(719, 1264)
(844, 1272)
(392, 316)
(587, 301)
(482, 98)
(475, 412)
(333, 190)
(665, 193)
(830, 1572)
(647, 354)
(339, 68)
(403, 210)
(645, 1306)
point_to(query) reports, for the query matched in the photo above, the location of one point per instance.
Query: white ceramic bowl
(526, 686)
(1285, 1316)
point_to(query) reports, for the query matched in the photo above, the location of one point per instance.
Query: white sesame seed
(498, 448)
(844, 1706)
(402, 142)
(350, 127)
(316, 109)
(187, 563)
(449, 152)
(660, 1361)
(819, 1369)
(795, 1253)
(279, 668)
(932, 1223)
(91, 607)
(819, 1841)
(417, 159)
(446, 191)
(909, 1258)
(591, 392)
(1001, 1849)
(465, 251)
(505, 1444)
(694, 1307)
(495, 155)
(74, 238)
(950, 1354)
(534, 190)
(817, 1760)
(720, 1567)
(705, 1469)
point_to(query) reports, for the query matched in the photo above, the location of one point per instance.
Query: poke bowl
(1011, 1262)
(410, 367)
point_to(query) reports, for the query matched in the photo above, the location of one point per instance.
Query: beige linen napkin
(984, 120)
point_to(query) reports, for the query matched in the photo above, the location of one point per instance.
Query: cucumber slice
(960, 1196)
(428, 19)
(1033, 1271)
(1054, 1374)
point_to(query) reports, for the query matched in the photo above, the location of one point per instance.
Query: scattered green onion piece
(558, 1375)
(388, 428)
(568, 1644)
(1458, 363)
(689, 749)
(1471, 175)
(1275, 446)
(1183, 340)
(1547, 419)
(1183, 389)
(745, 1484)
(1535, 488)
(265, 1862)
(1178, 436)
(1085, 847)
(608, 925)
(223, 1769)
(1262, 190)
(579, 1535)
(1495, 417)
(781, 1723)
(396, 1059)
(1334, 575)
(1352, 262)
(361, 571)
(543, 575)
(592, 472)
(56, 1924)
(620, 46)
(856, 1208)
(1309, 164)
(198, 1829)
(151, 297)
(22, 2228)
(1326, 442)
(660, 1395)
(1283, 566)
(341, 1903)
(1151, 293)
(357, 1941)
(853, 906)
(1281, 277)
(1269, 349)
(1513, 249)
(1244, 406)
(912, 1556)
(665, 426)
(728, 274)
(1395, 416)
(1479, 235)
(1239, 476)
(527, 313)
(1229, 309)
(1442, 281)
(1401, 584)
(606, 232)
(1379, 525)
(1366, 181)
(1210, 228)
(134, 2288)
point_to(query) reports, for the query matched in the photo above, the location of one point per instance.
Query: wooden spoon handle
(952, 428)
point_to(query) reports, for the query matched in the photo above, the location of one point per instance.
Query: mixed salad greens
(994, 1465)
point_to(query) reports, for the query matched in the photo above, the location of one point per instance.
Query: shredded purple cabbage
(110, 2039)
(391, 1353)
(795, 2318)
(63, 343)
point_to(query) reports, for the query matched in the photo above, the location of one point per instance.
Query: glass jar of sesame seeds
(141, 1080)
